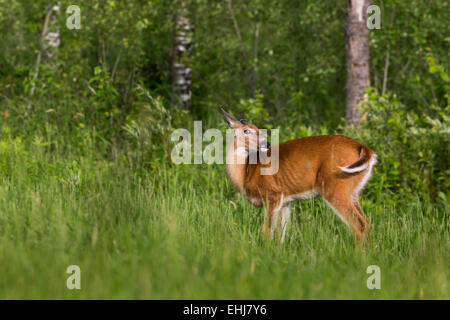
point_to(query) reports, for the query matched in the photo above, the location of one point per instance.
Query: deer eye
(246, 131)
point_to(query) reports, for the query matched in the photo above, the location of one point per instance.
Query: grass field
(183, 233)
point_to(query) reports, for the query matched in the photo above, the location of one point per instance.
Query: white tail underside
(370, 163)
(357, 169)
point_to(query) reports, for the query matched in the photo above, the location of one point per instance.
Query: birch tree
(357, 55)
(50, 42)
(182, 49)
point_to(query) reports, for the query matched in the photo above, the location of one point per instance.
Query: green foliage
(149, 134)
(253, 109)
(104, 102)
(413, 148)
(84, 154)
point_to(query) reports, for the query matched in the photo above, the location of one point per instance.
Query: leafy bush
(149, 132)
(412, 147)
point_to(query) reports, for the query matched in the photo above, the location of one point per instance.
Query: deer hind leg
(359, 181)
(343, 206)
(366, 226)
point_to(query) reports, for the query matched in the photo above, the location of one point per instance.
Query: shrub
(412, 147)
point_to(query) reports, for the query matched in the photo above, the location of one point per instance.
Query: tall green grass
(183, 233)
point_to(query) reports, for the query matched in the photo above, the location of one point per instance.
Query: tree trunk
(182, 49)
(49, 42)
(357, 46)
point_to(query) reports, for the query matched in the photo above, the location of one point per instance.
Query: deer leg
(285, 215)
(272, 208)
(366, 226)
(345, 210)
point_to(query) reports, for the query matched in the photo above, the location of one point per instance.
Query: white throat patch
(241, 152)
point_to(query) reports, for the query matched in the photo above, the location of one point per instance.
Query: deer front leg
(272, 208)
(255, 201)
(285, 215)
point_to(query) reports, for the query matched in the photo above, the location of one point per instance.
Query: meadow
(183, 233)
(90, 93)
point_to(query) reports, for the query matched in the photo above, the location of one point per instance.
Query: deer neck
(237, 159)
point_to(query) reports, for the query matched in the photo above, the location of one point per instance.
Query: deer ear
(244, 121)
(232, 121)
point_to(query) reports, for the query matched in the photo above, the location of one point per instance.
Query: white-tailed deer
(333, 166)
